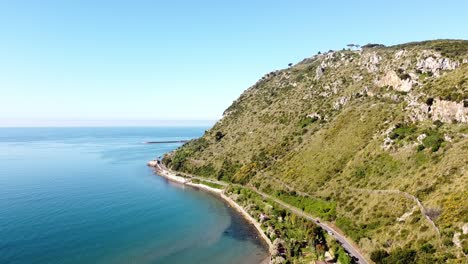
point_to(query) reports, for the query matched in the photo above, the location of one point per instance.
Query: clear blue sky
(181, 60)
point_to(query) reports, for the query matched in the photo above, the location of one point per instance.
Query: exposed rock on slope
(382, 118)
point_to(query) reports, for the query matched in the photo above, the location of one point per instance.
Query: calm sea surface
(85, 195)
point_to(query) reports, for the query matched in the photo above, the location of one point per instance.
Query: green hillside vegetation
(207, 183)
(299, 240)
(341, 136)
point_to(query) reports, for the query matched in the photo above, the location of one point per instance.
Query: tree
(351, 46)
(343, 258)
(373, 45)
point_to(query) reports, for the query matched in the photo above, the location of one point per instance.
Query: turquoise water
(85, 195)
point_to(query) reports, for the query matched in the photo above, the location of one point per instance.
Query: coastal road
(345, 242)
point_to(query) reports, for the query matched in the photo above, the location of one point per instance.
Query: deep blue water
(85, 195)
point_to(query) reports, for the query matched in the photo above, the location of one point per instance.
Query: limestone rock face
(319, 72)
(447, 111)
(465, 229)
(392, 79)
(399, 54)
(340, 102)
(372, 62)
(315, 115)
(435, 65)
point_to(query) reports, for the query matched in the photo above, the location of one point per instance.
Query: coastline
(218, 192)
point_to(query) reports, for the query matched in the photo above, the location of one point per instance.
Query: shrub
(402, 256)
(379, 256)
(438, 123)
(228, 170)
(350, 228)
(205, 171)
(343, 258)
(430, 101)
(314, 206)
(402, 131)
(465, 246)
(305, 121)
(428, 248)
(447, 242)
(219, 135)
(433, 140)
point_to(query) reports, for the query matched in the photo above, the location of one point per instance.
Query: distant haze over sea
(103, 123)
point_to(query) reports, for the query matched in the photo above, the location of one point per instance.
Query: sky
(144, 62)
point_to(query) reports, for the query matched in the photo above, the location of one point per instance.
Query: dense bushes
(408, 132)
(433, 140)
(304, 241)
(228, 170)
(398, 256)
(350, 228)
(204, 171)
(323, 209)
(245, 173)
(305, 121)
(403, 131)
(207, 183)
(379, 256)
(177, 160)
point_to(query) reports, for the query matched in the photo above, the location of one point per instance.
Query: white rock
(435, 65)
(420, 138)
(447, 138)
(319, 72)
(314, 115)
(340, 102)
(372, 61)
(456, 239)
(446, 111)
(400, 54)
(392, 79)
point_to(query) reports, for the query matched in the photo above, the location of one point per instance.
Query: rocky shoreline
(156, 165)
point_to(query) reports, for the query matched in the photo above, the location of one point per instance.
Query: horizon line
(15, 123)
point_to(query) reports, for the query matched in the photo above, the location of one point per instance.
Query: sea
(85, 195)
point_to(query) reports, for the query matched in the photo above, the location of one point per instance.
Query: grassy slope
(265, 139)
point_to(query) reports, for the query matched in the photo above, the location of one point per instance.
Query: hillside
(373, 140)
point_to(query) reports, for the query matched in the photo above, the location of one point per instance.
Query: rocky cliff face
(356, 132)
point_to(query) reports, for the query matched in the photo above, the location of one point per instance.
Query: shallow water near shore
(85, 195)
